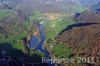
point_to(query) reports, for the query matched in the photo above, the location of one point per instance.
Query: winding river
(34, 43)
(39, 47)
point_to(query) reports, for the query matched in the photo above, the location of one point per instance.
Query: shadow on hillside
(17, 54)
(76, 25)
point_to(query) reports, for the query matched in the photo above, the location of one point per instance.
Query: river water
(42, 42)
(34, 43)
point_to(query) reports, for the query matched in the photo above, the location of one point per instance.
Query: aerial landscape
(49, 32)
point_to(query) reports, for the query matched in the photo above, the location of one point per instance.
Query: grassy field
(61, 50)
(52, 28)
(15, 41)
(35, 16)
(55, 27)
